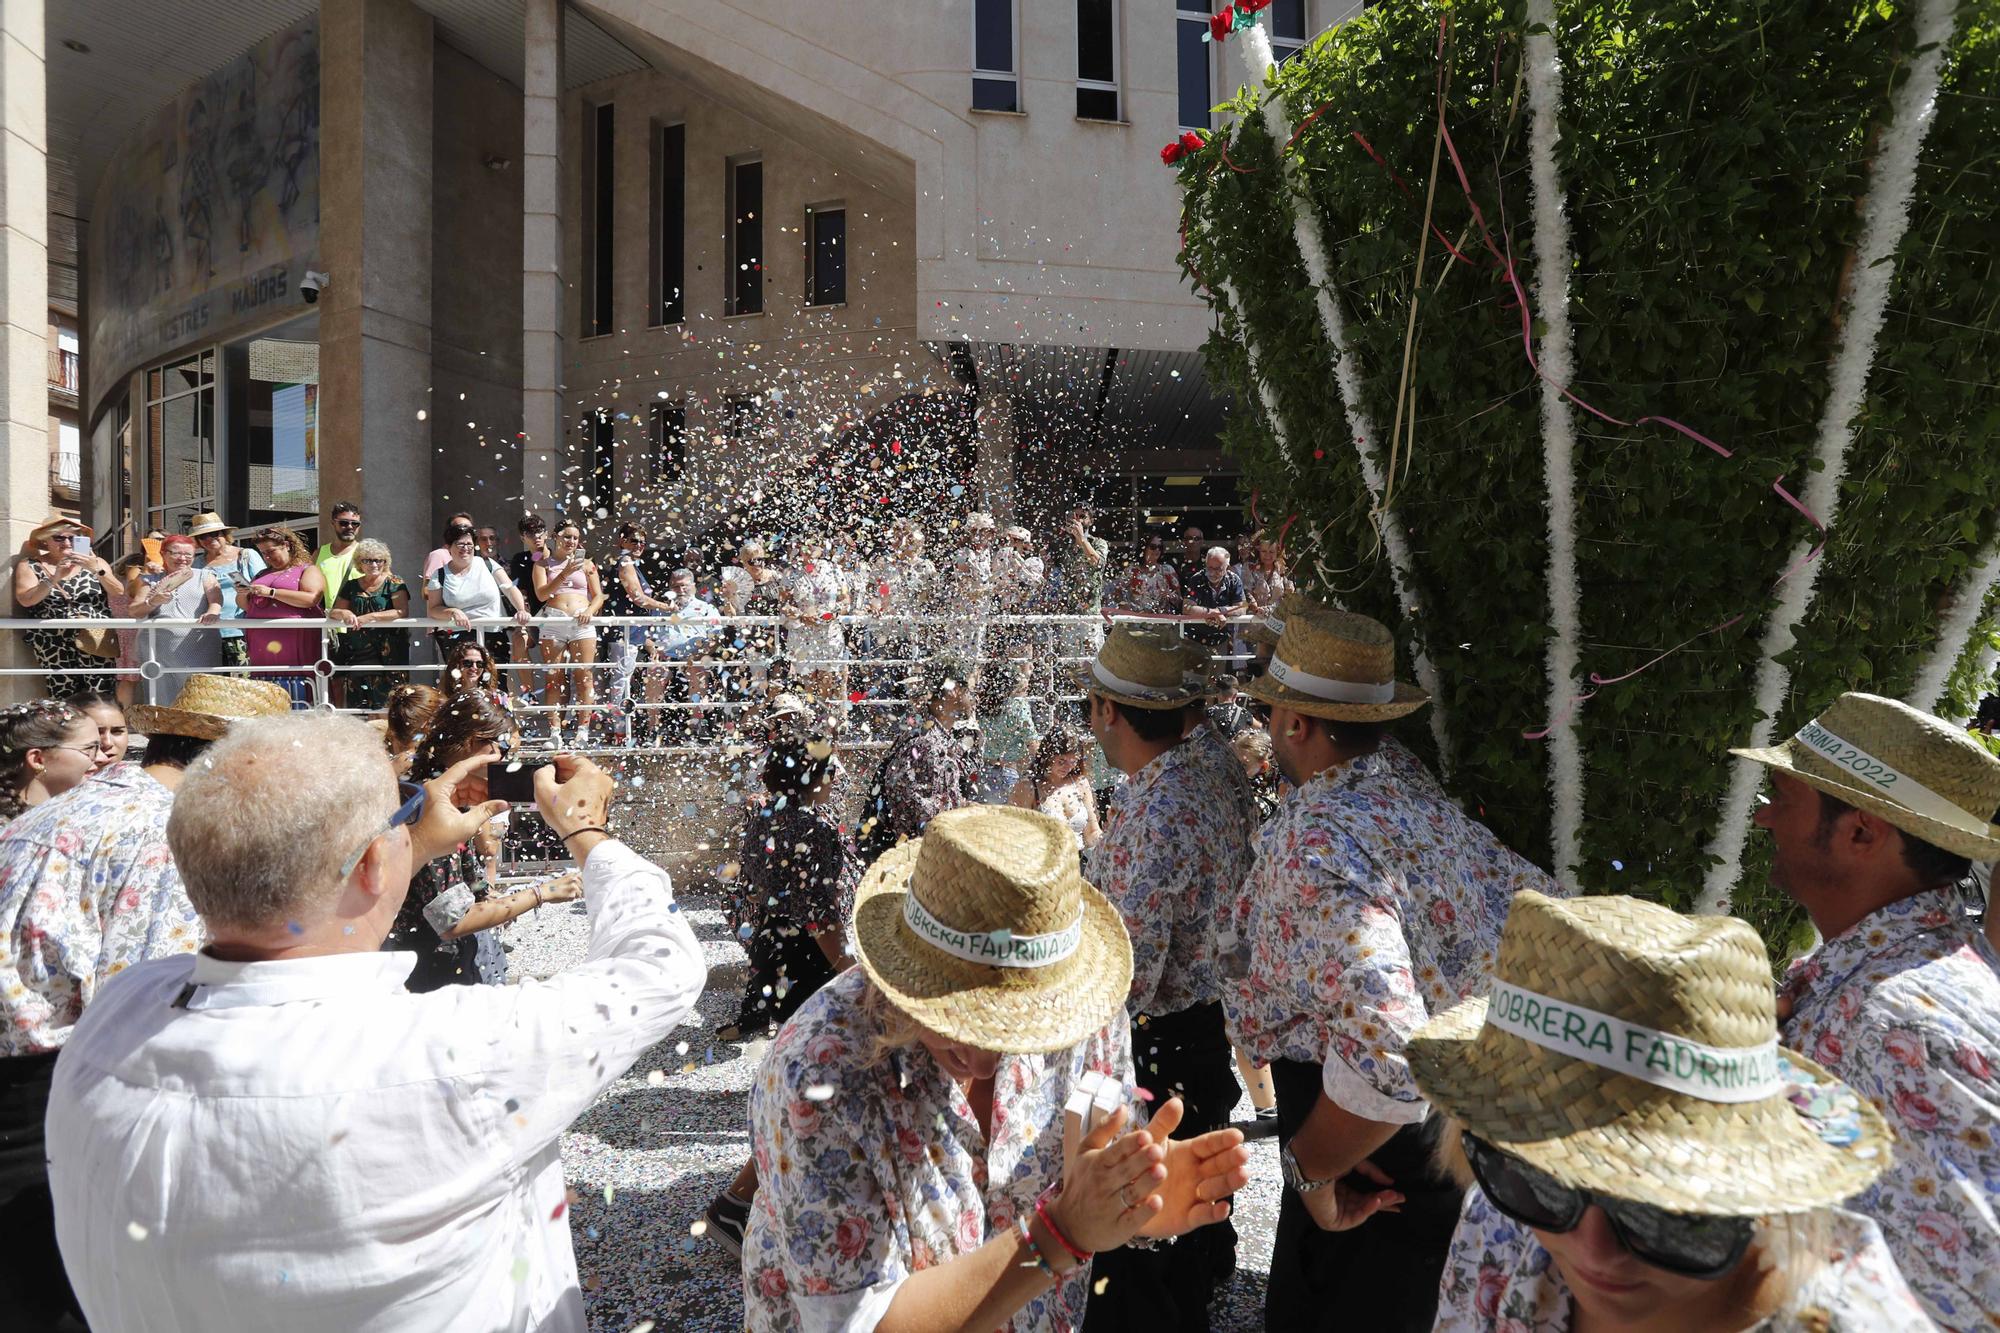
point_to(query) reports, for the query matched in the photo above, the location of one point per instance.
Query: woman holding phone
(57, 578)
(452, 899)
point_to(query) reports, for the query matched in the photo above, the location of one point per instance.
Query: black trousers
(786, 967)
(1381, 1276)
(1183, 1054)
(34, 1288)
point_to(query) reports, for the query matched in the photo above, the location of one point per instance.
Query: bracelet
(1028, 1241)
(1042, 1211)
(595, 828)
(538, 893)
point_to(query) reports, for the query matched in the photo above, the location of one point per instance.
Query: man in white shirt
(273, 1133)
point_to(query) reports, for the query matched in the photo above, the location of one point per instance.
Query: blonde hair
(1253, 746)
(370, 549)
(898, 1032)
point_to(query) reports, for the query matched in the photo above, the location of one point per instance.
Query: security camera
(312, 284)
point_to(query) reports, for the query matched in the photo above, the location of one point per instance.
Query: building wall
(815, 371)
(475, 407)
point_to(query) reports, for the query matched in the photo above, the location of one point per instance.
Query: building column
(994, 477)
(24, 301)
(376, 87)
(542, 290)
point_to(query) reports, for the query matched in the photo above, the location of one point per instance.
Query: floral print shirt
(926, 772)
(1374, 903)
(88, 887)
(1499, 1279)
(1905, 1007)
(1174, 853)
(872, 1169)
(1155, 589)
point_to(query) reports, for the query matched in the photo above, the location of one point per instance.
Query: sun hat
(1337, 665)
(56, 525)
(1628, 1049)
(984, 931)
(1149, 666)
(1925, 776)
(207, 705)
(206, 522)
(1271, 628)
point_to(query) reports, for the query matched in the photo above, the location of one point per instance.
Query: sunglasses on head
(1689, 1244)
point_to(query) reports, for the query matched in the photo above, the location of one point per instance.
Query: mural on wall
(209, 214)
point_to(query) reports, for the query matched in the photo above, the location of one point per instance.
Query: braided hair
(38, 725)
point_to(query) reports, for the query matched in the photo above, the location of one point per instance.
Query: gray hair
(263, 821)
(682, 573)
(370, 549)
(1215, 551)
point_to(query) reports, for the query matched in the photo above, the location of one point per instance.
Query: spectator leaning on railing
(274, 1133)
(290, 588)
(372, 595)
(181, 593)
(234, 567)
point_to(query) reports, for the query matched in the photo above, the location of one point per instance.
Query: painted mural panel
(208, 216)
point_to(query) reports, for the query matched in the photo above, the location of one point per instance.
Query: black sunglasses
(347, 522)
(1689, 1244)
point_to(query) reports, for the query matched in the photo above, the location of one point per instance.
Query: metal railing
(62, 370)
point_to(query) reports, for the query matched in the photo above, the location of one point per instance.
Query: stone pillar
(995, 475)
(375, 244)
(543, 297)
(24, 302)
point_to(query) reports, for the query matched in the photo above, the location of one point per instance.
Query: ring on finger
(1123, 1198)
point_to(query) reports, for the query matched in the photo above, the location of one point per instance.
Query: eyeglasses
(347, 522)
(409, 812)
(1689, 1244)
(463, 546)
(88, 751)
(374, 562)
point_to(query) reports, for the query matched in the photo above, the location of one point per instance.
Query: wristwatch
(1295, 1177)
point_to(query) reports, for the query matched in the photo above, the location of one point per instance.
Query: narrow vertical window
(746, 238)
(826, 257)
(1196, 93)
(1097, 59)
(668, 275)
(598, 179)
(603, 459)
(666, 438)
(1288, 28)
(996, 84)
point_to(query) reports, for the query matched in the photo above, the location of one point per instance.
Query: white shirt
(307, 1146)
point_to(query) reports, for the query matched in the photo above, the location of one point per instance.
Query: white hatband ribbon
(1125, 686)
(1871, 773)
(1325, 687)
(998, 948)
(1711, 1073)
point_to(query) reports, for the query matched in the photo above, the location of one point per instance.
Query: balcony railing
(62, 371)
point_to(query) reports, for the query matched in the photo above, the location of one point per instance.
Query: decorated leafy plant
(1653, 345)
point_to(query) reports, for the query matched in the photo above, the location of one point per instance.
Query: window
(69, 458)
(667, 275)
(272, 462)
(603, 459)
(739, 417)
(597, 211)
(1097, 59)
(826, 257)
(666, 439)
(180, 442)
(996, 85)
(746, 238)
(1288, 28)
(1191, 57)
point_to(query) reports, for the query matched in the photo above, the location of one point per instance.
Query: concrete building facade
(631, 257)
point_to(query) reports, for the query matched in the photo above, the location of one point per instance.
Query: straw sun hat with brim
(55, 525)
(207, 705)
(206, 523)
(1150, 667)
(1627, 1049)
(984, 931)
(1923, 775)
(1266, 632)
(1336, 665)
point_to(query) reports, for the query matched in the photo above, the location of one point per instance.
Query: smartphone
(513, 780)
(80, 544)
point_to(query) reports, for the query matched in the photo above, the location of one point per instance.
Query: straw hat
(56, 525)
(1651, 1069)
(208, 704)
(984, 931)
(1338, 665)
(1923, 775)
(1149, 667)
(206, 522)
(1271, 628)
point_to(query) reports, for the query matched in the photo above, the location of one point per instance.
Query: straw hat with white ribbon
(1627, 1049)
(207, 705)
(1338, 665)
(1150, 666)
(1920, 773)
(984, 931)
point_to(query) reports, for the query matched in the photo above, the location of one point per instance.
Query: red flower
(1193, 142)
(1973, 1063)
(1172, 153)
(771, 1282)
(1916, 1110)
(1492, 1286)
(1252, 6)
(1219, 25)
(850, 1237)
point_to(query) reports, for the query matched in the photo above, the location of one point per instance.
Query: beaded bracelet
(1021, 1225)
(1042, 1211)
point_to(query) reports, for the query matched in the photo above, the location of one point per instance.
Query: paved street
(645, 1160)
